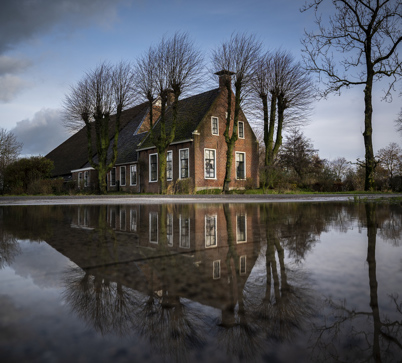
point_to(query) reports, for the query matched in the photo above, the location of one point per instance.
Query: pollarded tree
(96, 102)
(366, 34)
(281, 81)
(10, 148)
(173, 67)
(235, 61)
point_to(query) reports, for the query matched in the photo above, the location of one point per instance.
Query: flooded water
(278, 282)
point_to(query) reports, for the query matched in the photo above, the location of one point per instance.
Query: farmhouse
(196, 156)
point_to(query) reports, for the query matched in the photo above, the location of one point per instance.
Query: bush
(181, 186)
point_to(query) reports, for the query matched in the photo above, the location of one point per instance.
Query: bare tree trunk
(368, 131)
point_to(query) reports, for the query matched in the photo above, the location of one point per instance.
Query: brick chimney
(224, 76)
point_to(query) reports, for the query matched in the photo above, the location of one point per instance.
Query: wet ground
(134, 280)
(155, 199)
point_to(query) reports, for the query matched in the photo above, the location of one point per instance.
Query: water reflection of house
(201, 252)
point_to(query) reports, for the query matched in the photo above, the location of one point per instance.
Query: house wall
(92, 182)
(124, 187)
(206, 140)
(153, 187)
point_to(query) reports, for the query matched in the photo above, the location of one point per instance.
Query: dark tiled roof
(191, 112)
(73, 153)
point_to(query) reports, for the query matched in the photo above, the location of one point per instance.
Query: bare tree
(10, 148)
(390, 158)
(281, 81)
(236, 58)
(367, 34)
(298, 153)
(103, 92)
(341, 167)
(398, 122)
(174, 67)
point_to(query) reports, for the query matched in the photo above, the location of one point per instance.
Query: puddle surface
(278, 282)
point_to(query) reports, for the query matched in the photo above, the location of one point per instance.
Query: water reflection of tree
(361, 336)
(9, 247)
(157, 313)
(238, 330)
(288, 302)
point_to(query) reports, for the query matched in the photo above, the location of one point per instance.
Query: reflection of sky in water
(41, 263)
(338, 267)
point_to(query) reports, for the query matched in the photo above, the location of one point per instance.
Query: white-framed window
(241, 228)
(86, 178)
(122, 175)
(79, 180)
(153, 227)
(216, 269)
(113, 177)
(210, 164)
(122, 219)
(214, 125)
(240, 165)
(241, 129)
(169, 229)
(184, 237)
(184, 165)
(243, 265)
(211, 231)
(169, 165)
(153, 167)
(133, 220)
(133, 174)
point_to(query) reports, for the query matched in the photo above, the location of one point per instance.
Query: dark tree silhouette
(102, 92)
(366, 34)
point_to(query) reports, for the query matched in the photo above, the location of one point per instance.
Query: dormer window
(215, 125)
(241, 130)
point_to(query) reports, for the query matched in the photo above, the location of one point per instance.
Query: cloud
(23, 19)
(10, 84)
(41, 134)
(10, 87)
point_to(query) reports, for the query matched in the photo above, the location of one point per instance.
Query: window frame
(131, 181)
(151, 214)
(244, 162)
(238, 130)
(188, 163)
(150, 168)
(244, 258)
(86, 178)
(169, 229)
(245, 228)
(205, 169)
(216, 263)
(133, 218)
(113, 172)
(215, 218)
(181, 219)
(217, 125)
(122, 216)
(125, 175)
(170, 152)
(80, 179)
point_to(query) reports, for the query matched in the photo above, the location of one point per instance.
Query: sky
(46, 47)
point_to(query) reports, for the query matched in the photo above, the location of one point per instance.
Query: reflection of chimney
(224, 76)
(170, 97)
